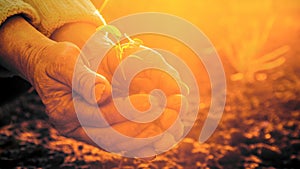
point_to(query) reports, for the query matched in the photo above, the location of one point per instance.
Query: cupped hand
(98, 125)
(49, 66)
(53, 80)
(167, 126)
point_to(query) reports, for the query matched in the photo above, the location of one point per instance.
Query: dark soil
(260, 128)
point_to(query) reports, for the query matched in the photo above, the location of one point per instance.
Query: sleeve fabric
(9, 8)
(55, 13)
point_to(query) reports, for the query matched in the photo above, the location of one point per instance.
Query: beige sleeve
(9, 8)
(56, 13)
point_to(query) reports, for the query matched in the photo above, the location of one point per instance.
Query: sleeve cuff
(9, 8)
(56, 13)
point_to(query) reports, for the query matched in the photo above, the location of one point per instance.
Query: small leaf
(135, 56)
(272, 64)
(137, 41)
(111, 29)
(274, 54)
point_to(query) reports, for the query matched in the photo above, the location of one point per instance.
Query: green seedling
(118, 46)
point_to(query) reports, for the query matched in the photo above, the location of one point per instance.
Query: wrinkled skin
(139, 97)
(49, 66)
(53, 81)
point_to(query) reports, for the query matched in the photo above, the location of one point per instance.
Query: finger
(89, 115)
(113, 141)
(69, 69)
(171, 122)
(95, 116)
(168, 118)
(165, 143)
(62, 115)
(137, 130)
(148, 80)
(171, 119)
(180, 104)
(94, 87)
(177, 102)
(139, 136)
(60, 110)
(108, 114)
(81, 135)
(145, 153)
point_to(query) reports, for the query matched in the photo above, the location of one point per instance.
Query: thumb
(69, 69)
(93, 87)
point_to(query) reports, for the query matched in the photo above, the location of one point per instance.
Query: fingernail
(99, 90)
(148, 159)
(102, 92)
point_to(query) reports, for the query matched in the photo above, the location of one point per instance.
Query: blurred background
(242, 31)
(258, 43)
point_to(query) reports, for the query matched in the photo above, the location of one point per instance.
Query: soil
(260, 128)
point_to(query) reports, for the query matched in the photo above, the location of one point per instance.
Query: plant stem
(103, 6)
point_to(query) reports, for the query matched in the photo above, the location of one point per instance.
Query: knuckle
(61, 117)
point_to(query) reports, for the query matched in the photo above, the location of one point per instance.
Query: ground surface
(260, 128)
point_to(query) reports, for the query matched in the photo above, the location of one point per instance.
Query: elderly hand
(49, 67)
(99, 127)
(53, 81)
(141, 97)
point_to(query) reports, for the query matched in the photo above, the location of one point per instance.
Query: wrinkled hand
(99, 127)
(49, 67)
(140, 94)
(52, 78)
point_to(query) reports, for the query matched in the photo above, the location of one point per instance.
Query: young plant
(118, 46)
(112, 31)
(245, 34)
